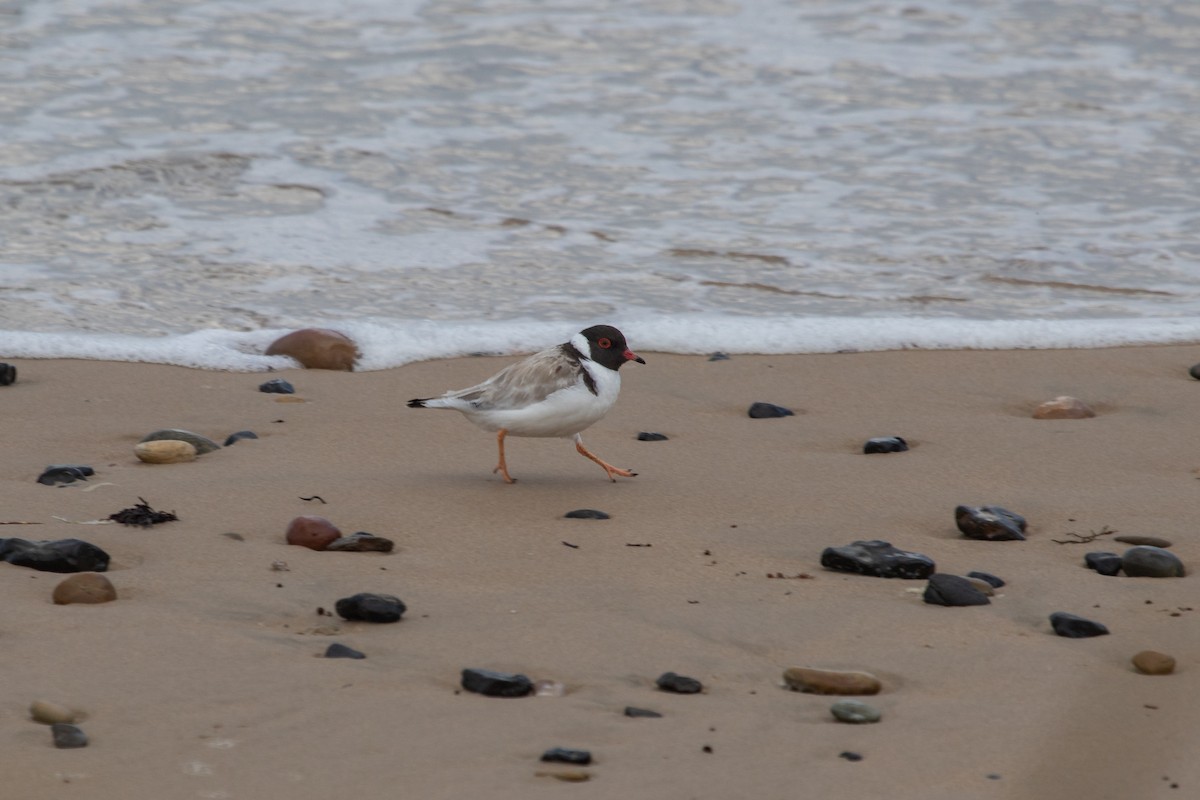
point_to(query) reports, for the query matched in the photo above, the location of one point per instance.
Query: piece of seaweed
(142, 514)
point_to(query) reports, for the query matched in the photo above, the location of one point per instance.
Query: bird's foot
(503, 470)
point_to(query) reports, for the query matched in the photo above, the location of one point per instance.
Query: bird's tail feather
(418, 402)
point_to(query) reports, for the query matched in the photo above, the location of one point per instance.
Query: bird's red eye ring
(605, 343)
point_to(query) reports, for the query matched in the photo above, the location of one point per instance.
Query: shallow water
(770, 175)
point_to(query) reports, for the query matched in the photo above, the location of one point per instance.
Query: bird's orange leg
(502, 468)
(608, 468)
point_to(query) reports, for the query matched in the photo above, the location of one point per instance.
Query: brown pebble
(1152, 662)
(312, 532)
(825, 681)
(1063, 407)
(48, 713)
(571, 776)
(317, 348)
(165, 451)
(84, 587)
(983, 586)
(1148, 541)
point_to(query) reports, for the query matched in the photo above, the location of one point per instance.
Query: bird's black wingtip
(417, 403)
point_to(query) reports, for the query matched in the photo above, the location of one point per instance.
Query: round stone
(48, 713)
(1063, 407)
(203, 444)
(67, 736)
(165, 451)
(826, 681)
(84, 587)
(679, 684)
(370, 607)
(855, 712)
(317, 348)
(768, 411)
(1151, 562)
(313, 532)
(1152, 662)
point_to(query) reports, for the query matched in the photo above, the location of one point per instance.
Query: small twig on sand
(1081, 539)
(21, 523)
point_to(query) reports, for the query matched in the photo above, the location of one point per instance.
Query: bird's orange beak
(632, 356)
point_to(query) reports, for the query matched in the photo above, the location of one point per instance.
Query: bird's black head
(606, 346)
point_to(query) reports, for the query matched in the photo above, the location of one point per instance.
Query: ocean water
(184, 182)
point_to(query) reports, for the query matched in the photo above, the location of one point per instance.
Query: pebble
(562, 755)
(586, 513)
(878, 559)
(632, 711)
(992, 523)
(1103, 562)
(679, 684)
(362, 542)
(1195, 371)
(850, 756)
(855, 712)
(827, 681)
(165, 452)
(60, 555)
(277, 386)
(64, 474)
(1151, 562)
(203, 444)
(368, 607)
(885, 444)
(718, 356)
(1073, 627)
(988, 577)
(84, 587)
(67, 736)
(1152, 662)
(496, 684)
(1129, 538)
(953, 590)
(338, 650)
(768, 411)
(8, 374)
(983, 586)
(313, 532)
(317, 348)
(647, 436)
(48, 713)
(570, 776)
(1063, 407)
(549, 688)
(238, 436)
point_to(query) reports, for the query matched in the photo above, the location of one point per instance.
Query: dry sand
(202, 680)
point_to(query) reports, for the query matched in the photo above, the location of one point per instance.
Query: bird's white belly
(564, 413)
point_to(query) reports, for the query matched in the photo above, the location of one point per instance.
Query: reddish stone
(317, 348)
(1064, 407)
(315, 533)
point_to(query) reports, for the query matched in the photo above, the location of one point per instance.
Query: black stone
(562, 755)
(586, 513)
(1195, 371)
(61, 555)
(65, 473)
(277, 386)
(718, 356)
(1151, 562)
(368, 607)
(362, 542)
(768, 411)
(68, 736)
(992, 523)
(647, 436)
(631, 711)
(680, 684)
(236, 437)
(879, 559)
(850, 756)
(496, 684)
(338, 650)
(987, 577)
(885, 444)
(1104, 563)
(8, 374)
(1074, 627)
(953, 590)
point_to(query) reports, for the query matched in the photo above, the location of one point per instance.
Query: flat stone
(368, 607)
(647, 436)
(203, 444)
(1073, 627)
(1151, 562)
(8, 374)
(166, 451)
(562, 755)
(84, 587)
(1063, 407)
(827, 681)
(1103, 562)
(338, 650)
(885, 444)
(1149, 541)
(586, 513)
(953, 590)
(238, 436)
(991, 523)
(277, 386)
(60, 555)
(68, 736)
(718, 356)
(855, 712)
(988, 577)
(850, 755)
(48, 713)
(768, 411)
(496, 684)
(311, 531)
(878, 559)
(317, 348)
(982, 586)
(60, 474)
(632, 711)
(1152, 662)
(679, 684)
(362, 542)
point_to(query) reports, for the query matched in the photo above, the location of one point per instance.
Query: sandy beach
(204, 678)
